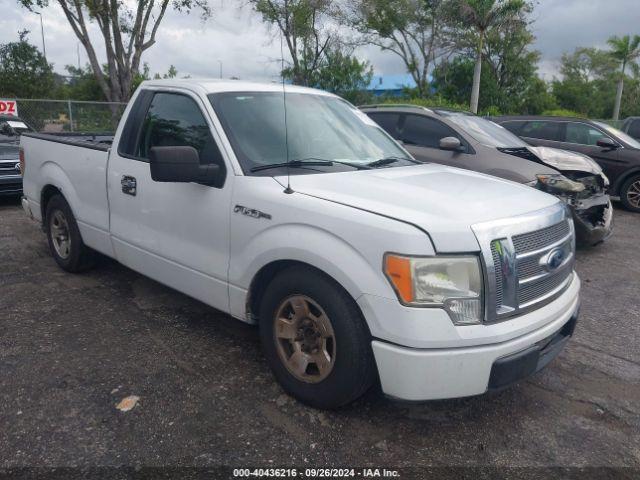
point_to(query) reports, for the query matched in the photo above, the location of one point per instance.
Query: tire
(330, 327)
(630, 193)
(65, 242)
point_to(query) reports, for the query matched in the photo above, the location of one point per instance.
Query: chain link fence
(52, 116)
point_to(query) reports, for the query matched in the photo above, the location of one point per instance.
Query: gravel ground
(73, 346)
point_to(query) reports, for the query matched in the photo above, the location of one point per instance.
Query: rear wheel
(65, 242)
(315, 339)
(630, 194)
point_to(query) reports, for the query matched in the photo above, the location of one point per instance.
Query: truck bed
(96, 141)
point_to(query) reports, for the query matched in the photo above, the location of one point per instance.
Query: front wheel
(630, 194)
(65, 242)
(315, 339)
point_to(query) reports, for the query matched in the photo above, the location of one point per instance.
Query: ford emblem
(553, 259)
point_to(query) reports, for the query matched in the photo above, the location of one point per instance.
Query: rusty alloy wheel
(304, 338)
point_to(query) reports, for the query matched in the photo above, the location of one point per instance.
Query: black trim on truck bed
(94, 141)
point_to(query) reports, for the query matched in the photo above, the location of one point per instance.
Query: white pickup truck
(358, 265)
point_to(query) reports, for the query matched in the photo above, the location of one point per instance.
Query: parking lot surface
(73, 346)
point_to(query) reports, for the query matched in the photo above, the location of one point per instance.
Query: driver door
(175, 233)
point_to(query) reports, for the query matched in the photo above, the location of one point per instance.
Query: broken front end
(586, 195)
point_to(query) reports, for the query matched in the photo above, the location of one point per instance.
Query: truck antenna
(287, 190)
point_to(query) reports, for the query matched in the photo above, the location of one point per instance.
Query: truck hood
(442, 201)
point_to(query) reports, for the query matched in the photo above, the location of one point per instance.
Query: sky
(236, 40)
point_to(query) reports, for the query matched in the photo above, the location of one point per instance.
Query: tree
(126, 33)
(587, 83)
(301, 23)
(24, 72)
(482, 17)
(341, 73)
(625, 50)
(508, 79)
(414, 30)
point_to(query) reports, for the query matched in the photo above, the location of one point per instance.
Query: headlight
(452, 282)
(560, 182)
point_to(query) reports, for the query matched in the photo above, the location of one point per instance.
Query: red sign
(8, 107)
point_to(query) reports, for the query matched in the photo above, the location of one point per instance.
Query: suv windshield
(11, 128)
(484, 131)
(318, 128)
(632, 142)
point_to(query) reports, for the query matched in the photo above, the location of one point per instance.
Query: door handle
(129, 185)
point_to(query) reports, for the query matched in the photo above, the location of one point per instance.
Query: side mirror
(180, 164)
(605, 142)
(7, 130)
(452, 144)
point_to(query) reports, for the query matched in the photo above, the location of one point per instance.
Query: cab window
(176, 120)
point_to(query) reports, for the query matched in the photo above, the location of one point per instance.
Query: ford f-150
(289, 208)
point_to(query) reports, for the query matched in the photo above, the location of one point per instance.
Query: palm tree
(482, 16)
(625, 50)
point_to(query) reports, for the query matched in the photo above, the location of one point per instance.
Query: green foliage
(340, 73)
(414, 30)
(80, 84)
(561, 112)
(429, 102)
(24, 72)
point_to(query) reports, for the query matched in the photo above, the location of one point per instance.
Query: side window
(424, 131)
(388, 121)
(175, 120)
(513, 127)
(542, 130)
(583, 134)
(634, 128)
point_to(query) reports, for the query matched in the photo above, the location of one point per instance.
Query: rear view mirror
(605, 142)
(452, 144)
(180, 164)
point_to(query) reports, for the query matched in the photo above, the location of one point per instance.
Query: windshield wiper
(308, 162)
(389, 160)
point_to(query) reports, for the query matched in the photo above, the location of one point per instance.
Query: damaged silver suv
(461, 139)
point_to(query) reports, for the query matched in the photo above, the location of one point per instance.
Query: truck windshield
(484, 131)
(318, 127)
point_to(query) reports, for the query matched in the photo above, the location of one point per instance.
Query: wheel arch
(622, 179)
(268, 272)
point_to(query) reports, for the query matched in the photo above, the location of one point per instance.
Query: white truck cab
(357, 263)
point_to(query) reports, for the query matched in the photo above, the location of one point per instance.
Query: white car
(357, 263)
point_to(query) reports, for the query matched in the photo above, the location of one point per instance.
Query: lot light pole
(220, 62)
(44, 48)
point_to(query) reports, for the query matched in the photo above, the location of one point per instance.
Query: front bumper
(593, 219)
(417, 374)
(11, 185)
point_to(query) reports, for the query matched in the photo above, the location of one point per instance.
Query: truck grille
(526, 267)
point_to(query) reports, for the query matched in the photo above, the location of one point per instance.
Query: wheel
(315, 339)
(65, 242)
(630, 194)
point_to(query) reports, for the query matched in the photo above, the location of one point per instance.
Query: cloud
(249, 49)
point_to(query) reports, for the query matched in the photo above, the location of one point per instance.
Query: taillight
(22, 163)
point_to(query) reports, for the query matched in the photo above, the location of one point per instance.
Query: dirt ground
(73, 346)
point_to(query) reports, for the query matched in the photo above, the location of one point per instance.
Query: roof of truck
(215, 85)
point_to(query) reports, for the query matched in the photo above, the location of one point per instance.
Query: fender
(307, 244)
(617, 185)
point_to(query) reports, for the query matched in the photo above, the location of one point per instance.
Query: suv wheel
(630, 194)
(315, 339)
